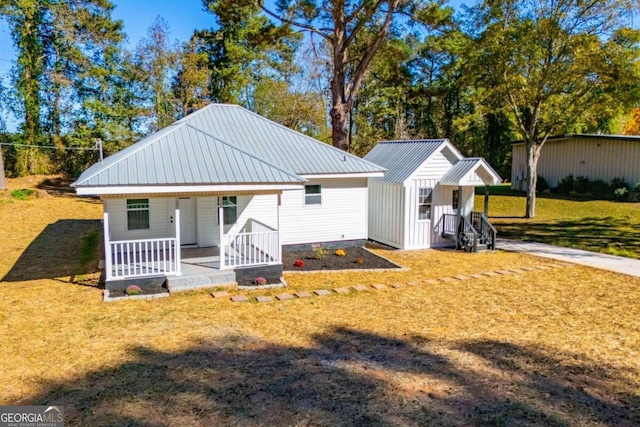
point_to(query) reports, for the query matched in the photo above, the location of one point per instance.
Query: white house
(425, 198)
(224, 189)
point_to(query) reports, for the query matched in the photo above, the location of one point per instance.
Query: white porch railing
(252, 248)
(139, 258)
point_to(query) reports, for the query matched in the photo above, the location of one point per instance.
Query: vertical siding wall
(342, 215)
(386, 212)
(594, 158)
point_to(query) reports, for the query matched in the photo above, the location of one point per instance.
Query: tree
(245, 48)
(340, 23)
(552, 63)
(157, 57)
(190, 86)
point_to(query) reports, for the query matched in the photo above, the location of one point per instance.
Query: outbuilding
(426, 197)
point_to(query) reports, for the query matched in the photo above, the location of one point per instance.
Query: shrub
(358, 261)
(600, 188)
(319, 252)
(133, 290)
(636, 192)
(22, 194)
(260, 281)
(621, 194)
(299, 263)
(541, 184)
(581, 185)
(565, 186)
(341, 252)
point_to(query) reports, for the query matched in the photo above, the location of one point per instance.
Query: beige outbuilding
(602, 157)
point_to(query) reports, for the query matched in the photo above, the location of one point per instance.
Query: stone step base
(197, 281)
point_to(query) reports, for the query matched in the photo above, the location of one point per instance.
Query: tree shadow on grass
(596, 234)
(348, 377)
(56, 252)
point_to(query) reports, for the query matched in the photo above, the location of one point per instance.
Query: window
(312, 194)
(137, 214)
(424, 203)
(230, 209)
(455, 200)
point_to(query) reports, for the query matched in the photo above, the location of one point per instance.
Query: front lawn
(594, 225)
(542, 347)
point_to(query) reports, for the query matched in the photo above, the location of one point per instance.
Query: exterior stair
(211, 279)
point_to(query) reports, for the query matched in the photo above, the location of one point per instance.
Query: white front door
(188, 229)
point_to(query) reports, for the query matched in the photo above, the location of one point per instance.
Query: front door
(187, 206)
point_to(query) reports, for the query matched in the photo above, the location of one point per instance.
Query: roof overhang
(345, 175)
(186, 189)
(480, 173)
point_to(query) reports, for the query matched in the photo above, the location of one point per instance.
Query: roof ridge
(316, 141)
(134, 148)
(248, 153)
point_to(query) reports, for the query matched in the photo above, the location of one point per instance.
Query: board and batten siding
(595, 158)
(341, 216)
(386, 212)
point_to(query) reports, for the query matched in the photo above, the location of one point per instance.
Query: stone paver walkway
(590, 259)
(378, 287)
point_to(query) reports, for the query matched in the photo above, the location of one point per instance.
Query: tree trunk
(339, 119)
(533, 154)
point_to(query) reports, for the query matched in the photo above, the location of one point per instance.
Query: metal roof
(628, 138)
(464, 167)
(182, 154)
(223, 144)
(403, 158)
(276, 144)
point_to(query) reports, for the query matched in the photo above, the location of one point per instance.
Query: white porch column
(279, 244)
(107, 246)
(176, 218)
(221, 230)
(459, 225)
(486, 200)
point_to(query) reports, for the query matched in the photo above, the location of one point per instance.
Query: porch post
(221, 230)
(278, 228)
(177, 224)
(459, 226)
(107, 246)
(486, 200)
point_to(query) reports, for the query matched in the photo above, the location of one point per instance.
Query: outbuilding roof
(460, 173)
(402, 158)
(223, 144)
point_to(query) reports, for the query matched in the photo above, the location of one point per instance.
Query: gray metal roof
(182, 154)
(464, 166)
(223, 144)
(274, 143)
(402, 158)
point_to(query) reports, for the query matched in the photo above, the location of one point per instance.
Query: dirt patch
(144, 290)
(354, 259)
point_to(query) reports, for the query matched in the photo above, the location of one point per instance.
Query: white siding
(433, 168)
(160, 213)
(342, 215)
(386, 213)
(594, 158)
(208, 234)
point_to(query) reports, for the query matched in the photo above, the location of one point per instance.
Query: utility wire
(53, 147)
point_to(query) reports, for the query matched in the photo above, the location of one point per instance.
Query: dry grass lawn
(553, 347)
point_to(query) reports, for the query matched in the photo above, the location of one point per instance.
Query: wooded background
(350, 73)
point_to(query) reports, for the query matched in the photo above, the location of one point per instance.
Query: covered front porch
(247, 242)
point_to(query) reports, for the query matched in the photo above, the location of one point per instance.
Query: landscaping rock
(379, 286)
(361, 288)
(431, 282)
(461, 277)
(491, 274)
(477, 276)
(239, 298)
(220, 294)
(504, 272)
(414, 283)
(396, 285)
(322, 292)
(285, 297)
(264, 299)
(341, 290)
(447, 279)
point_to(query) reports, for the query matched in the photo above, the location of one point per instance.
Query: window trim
(227, 208)
(429, 203)
(307, 196)
(129, 209)
(455, 197)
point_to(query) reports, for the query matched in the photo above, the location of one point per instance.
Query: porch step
(203, 280)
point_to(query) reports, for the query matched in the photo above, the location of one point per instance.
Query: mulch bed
(146, 290)
(333, 262)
